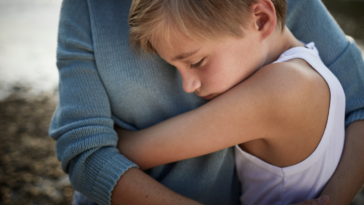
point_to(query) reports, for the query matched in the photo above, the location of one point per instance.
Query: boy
(279, 102)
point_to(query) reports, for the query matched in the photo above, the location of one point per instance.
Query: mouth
(209, 97)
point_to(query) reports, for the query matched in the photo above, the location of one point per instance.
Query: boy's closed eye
(198, 64)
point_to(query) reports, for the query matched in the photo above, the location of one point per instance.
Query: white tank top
(263, 183)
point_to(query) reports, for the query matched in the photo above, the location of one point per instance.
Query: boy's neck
(278, 42)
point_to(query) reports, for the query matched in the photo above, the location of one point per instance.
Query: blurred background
(29, 170)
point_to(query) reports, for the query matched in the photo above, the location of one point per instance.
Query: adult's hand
(323, 200)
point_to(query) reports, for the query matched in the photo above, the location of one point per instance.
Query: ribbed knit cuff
(108, 166)
(354, 116)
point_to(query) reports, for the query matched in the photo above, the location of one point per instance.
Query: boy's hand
(130, 145)
(323, 200)
(121, 132)
(123, 137)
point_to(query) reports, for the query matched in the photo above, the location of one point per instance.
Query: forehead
(169, 41)
(173, 42)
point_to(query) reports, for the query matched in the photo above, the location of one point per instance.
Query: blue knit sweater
(102, 83)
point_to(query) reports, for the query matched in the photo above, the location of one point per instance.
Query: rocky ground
(29, 170)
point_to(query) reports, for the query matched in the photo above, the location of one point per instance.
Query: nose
(190, 81)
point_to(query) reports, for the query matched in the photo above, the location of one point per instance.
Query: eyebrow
(184, 55)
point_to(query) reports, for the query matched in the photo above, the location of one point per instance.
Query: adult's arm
(138, 188)
(82, 123)
(349, 176)
(310, 21)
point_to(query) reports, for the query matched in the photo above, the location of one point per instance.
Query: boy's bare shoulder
(295, 77)
(296, 89)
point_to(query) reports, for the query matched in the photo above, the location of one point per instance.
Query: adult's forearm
(349, 175)
(135, 187)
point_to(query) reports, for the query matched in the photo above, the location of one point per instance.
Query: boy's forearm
(348, 177)
(131, 145)
(136, 187)
(153, 146)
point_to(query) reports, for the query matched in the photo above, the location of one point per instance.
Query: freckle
(146, 196)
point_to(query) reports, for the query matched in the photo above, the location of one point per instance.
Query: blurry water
(28, 38)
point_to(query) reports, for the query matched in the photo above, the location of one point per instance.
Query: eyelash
(196, 65)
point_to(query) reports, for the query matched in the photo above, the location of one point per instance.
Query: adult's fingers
(323, 200)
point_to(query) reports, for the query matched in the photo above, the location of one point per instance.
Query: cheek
(218, 75)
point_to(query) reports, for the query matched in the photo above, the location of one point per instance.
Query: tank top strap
(299, 52)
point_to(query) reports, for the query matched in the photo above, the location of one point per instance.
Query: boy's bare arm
(348, 177)
(241, 114)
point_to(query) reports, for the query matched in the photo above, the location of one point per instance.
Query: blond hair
(198, 19)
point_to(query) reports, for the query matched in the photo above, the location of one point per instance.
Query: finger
(323, 200)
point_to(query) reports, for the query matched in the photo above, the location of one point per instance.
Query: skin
(137, 188)
(203, 84)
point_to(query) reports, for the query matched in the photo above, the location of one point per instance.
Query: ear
(265, 19)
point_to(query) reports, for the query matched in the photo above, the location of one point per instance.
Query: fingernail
(322, 199)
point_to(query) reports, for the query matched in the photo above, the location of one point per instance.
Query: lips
(209, 97)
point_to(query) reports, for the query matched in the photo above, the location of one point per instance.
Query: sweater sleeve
(310, 21)
(82, 124)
